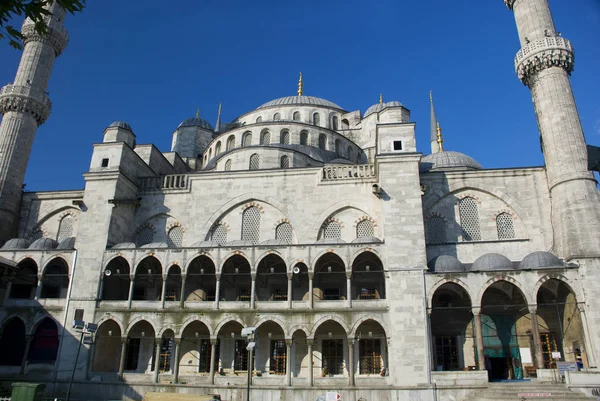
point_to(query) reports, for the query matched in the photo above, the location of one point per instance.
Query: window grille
(243, 294)
(285, 162)
(322, 141)
(284, 232)
(175, 237)
(334, 123)
(365, 229)
(204, 357)
(218, 148)
(254, 162)
(35, 235)
(132, 353)
(316, 119)
(276, 117)
(219, 234)
(436, 230)
(228, 165)
(145, 235)
(278, 357)
(332, 294)
(333, 357)
(240, 356)
(251, 225)
(247, 139)
(230, 142)
(280, 295)
(369, 356)
(446, 352)
(259, 120)
(265, 138)
(304, 138)
(469, 219)
(296, 116)
(285, 138)
(505, 226)
(332, 229)
(171, 294)
(338, 146)
(65, 228)
(368, 293)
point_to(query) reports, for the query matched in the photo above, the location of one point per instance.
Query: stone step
(536, 391)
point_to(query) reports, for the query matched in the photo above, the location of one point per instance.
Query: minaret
(543, 64)
(433, 136)
(25, 106)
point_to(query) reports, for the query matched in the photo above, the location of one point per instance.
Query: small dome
(124, 245)
(67, 243)
(196, 122)
(539, 260)
(16, 243)
(365, 240)
(446, 264)
(43, 243)
(448, 160)
(153, 245)
(300, 100)
(492, 262)
(376, 108)
(120, 124)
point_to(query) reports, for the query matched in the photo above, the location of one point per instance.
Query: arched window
(285, 162)
(44, 345)
(265, 138)
(254, 162)
(145, 235)
(304, 138)
(365, 229)
(258, 119)
(247, 139)
(284, 233)
(316, 119)
(228, 165)
(334, 123)
(251, 225)
(230, 142)
(219, 234)
(12, 342)
(332, 229)
(296, 116)
(276, 117)
(218, 148)
(285, 138)
(322, 141)
(175, 237)
(505, 226)
(338, 147)
(65, 227)
(436, 230)
(345, 123)
(469, 219)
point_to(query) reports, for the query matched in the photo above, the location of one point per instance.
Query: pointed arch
(326, 319)
(453, 280)
(526, 294)
(190, 320)
(138, 320)
(571, 285)
(366, 318)
(229, 319)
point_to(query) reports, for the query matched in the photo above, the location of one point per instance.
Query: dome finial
(300, 86)
(381, 98)
(440, 141)
(198, 112)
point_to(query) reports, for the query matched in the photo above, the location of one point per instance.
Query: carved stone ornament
(510, 3)
(55, 38)
(22, 99)
(542, 54)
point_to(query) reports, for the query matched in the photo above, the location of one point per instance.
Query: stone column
(182, 293)
(8, 289)
(311, 302)
(288, 362)
(28, 340)
(479, 334)
(310, 342)
(131, 283)
(289, 290)
(213, 356)
(100, 290)
(91, 356)
(163, 291)
(176, 362)
(351, 362)
(157, 343)
(122, 358)
(38, 288)
(537, 341)
(349, 289)
(589, 349)
(218, 291)
(253, 292)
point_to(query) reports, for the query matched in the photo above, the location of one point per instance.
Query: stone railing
(350, 172)
(25, 99)
(552, 51)
(174, 181)
(40, 96)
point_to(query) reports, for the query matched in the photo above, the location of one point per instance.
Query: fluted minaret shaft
(544, 64)
(24, 105)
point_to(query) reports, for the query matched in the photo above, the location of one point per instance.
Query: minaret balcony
(539, 54)
(25, 99)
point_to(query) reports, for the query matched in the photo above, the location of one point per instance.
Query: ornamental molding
(542, 54)
(23, 99)
(510, 4)
(57, 38)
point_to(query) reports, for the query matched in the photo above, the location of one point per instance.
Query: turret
(191, 137)
(25, 106)
(120, 131)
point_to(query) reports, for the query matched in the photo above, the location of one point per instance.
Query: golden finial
(300, 86)
(440, 141)
(381, 98)
(198, 112)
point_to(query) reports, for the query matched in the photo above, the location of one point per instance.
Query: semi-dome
(67, 243)
(539, 260)
(196, 122)
(448, 160)
(492, 262)
(120, 124)
(16, 243)
(43, 243)
(446, 264)
(300, 101)
(376, 108)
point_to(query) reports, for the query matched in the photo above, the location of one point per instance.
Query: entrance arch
(108, 347)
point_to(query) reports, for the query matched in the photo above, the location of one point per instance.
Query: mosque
(365, 267)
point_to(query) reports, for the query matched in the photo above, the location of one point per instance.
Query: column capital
(157, 340)
(213, 340)
(310, 342)
(177, 341)
(533, 308)
(581, 307)
(351, 340)
(311, 275)
(348, 275)
(253, 276)
(476, 310)
(124, 340)
(288, 342)
(290, 276)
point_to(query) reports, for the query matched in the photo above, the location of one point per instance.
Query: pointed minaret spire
(435, 126)
(218, 124)
(300, 86)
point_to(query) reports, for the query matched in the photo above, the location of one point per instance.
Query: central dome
(300, 100)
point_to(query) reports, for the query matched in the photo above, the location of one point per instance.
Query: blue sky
(153, 66)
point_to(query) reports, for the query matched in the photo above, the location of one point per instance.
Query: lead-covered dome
(16, 243)
(196, 122)
(43, 243)
(376, 108)
(300, 101)
(446, 264)
(539, 260)
(120, 124)
(448, 160)
(492, 262)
